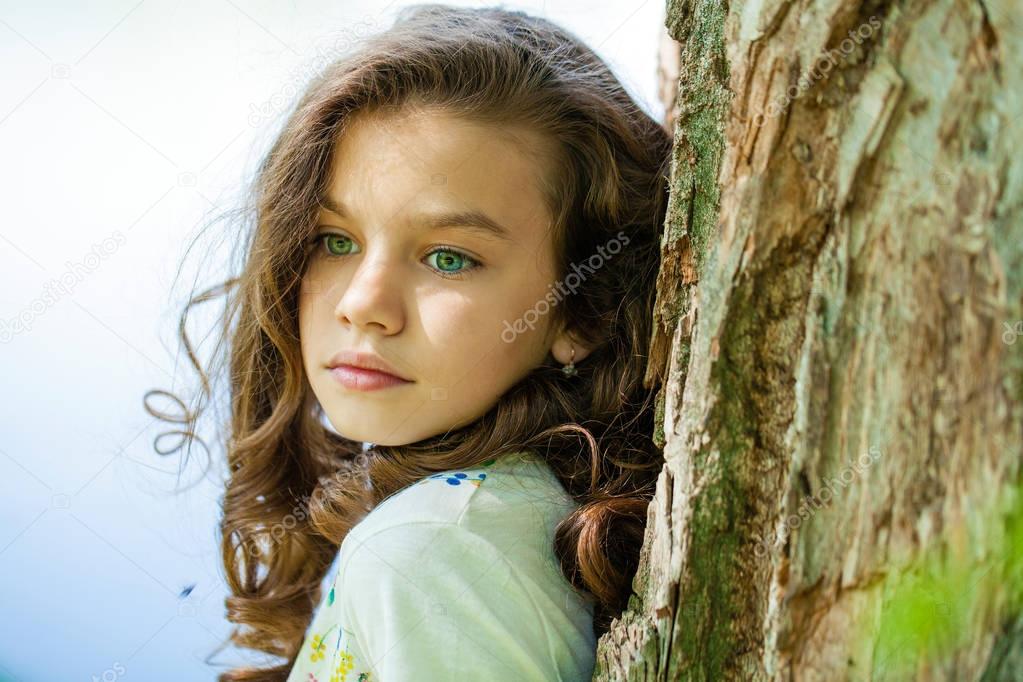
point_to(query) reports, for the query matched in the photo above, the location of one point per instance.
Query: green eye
(338, 244)
(451, 262)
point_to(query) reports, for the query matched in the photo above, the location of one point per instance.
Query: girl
(437, 344)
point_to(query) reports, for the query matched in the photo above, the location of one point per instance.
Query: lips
(358, 379)
(364, 371)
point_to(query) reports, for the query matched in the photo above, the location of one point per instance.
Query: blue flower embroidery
(458, 477)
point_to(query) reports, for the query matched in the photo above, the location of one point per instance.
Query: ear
(564, 343)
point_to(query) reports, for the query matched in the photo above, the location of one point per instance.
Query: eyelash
(320, 240)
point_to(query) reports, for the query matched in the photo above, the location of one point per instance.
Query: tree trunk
(838, 312)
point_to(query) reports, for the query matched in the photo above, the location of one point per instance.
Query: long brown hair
(287, 470)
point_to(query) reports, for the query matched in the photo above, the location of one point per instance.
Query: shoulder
(405, 570)
(516, 490)
(484, 527)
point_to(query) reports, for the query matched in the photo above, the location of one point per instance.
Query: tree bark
(838, 309)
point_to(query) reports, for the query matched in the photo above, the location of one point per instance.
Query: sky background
(125, 128)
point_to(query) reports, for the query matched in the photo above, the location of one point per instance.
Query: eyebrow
(470, 219)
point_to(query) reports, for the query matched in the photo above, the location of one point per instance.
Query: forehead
(429, 159)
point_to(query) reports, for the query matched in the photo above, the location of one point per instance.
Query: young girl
(437, 344)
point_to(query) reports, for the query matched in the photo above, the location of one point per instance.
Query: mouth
(364, 371)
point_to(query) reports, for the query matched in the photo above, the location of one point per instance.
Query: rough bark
(839, 300)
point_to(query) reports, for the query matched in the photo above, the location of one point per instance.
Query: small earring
(569, 369)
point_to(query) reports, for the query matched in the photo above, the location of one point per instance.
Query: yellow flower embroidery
(344, 665)
(318, 646)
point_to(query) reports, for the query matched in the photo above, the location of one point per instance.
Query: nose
(372, 299)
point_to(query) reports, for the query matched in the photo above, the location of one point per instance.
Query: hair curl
(594, 430)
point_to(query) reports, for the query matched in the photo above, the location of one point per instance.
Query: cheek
(452, 323)
(471, 337)
(312, 308)
(306, 301)
(318, 295)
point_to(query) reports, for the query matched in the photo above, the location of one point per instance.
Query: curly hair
(295, 488)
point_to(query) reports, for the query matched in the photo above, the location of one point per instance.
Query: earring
(569, 369)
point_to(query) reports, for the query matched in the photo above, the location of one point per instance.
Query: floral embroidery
(457, 477)
(318, 645)
(344, 666)
(345, 659)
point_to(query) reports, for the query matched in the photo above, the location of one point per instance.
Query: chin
(361, 434)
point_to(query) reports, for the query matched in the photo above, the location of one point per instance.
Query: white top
(454, 578)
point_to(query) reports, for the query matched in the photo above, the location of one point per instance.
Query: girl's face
(432, 245)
